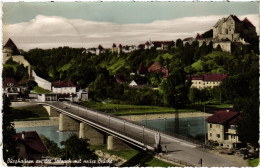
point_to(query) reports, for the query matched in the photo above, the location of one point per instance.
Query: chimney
(23, 135)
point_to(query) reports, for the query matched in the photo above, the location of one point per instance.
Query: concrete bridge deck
(141, 136)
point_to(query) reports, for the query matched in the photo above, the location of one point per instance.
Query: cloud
(54, 31)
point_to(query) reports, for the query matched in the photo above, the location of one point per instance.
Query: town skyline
(38, 30)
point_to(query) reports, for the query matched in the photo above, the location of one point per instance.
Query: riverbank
(53, 121)
(166, 115)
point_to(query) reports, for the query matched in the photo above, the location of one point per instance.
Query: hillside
(215, 62)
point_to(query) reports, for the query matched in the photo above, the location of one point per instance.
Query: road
(177, 148)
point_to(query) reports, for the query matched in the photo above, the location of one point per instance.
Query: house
(64, 87)
(11, 88)
(188, 40)
(120, 79)
(100, 50)
(158, 45)
(138, 82)
(222, 128)
(91, 50)
(133, 84)
(30, 146)
(206, 80)
(157, 68)
(142, 69)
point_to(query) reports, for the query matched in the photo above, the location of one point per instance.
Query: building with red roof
(142, 69)
(11, 88)
(206, 80)
(221, 128)
(157, 68)
(120, 79)
(64, 87)
(30, 146)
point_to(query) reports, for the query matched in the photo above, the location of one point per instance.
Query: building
(100, 50)
(30, 146)
(158, 45)
(120, 79)
(188, 40)
(10, 50)
(11, 88)
(64, 87)
(206, 80)
(157, 68)
(231, 30)
(142, 69)
(221, 128)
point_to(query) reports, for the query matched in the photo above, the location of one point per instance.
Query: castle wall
(225, 45)
(41, 82)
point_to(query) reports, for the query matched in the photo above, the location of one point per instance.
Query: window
(210, 125)
(218, 135)
(210, 134)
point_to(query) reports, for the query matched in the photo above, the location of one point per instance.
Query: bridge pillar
(67, 124)
(95, 136)
(113, 143)
(51, 112)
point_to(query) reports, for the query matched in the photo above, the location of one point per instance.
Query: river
(187, 126)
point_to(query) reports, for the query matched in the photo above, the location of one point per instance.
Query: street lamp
(165, 124)
(143, 134)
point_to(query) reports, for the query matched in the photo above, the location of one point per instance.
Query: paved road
(177, 148)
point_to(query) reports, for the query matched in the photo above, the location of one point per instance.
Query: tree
(179, 43)
(248, 126)
(175, 89)
(77, 148)
(9, 143)
(53, 148)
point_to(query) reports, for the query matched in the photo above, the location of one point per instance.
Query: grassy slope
(254, 162)
(67, 66)
(125, 154)
(209, 60)
(197, 65)
(39, 90)
(158, 163)
(30, 113)
(119, 109)
(14, 66)
(128, 154)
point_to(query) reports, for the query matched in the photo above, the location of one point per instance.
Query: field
(30, 113)
(39, 90)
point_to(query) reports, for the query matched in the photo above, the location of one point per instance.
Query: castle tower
(9, 49)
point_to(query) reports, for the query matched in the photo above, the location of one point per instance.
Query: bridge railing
(139, 124)
(140, 139)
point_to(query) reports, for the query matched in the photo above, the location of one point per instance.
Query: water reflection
(187, 126)
(50, 132)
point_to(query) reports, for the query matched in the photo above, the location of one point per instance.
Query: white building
(63, 87)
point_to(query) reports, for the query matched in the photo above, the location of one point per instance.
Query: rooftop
(64, 84)
(32, 141)
(222, 117)
(10, 82)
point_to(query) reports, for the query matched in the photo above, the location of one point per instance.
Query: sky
(88, 24)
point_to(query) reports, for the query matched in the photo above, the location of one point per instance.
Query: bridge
(118, 133)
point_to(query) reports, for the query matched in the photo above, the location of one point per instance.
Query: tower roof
(10, 43)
